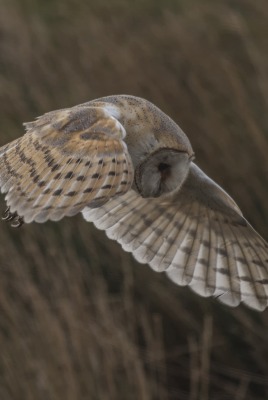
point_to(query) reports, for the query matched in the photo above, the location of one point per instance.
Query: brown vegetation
(78, 318)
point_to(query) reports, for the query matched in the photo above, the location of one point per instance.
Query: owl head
(161, 172)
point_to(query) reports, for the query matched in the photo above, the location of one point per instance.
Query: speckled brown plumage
(66, 160)
(129, 168)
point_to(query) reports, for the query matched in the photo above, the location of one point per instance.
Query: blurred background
(79, 319)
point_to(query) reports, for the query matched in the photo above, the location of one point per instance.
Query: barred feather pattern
(201, 242)
(66, 160)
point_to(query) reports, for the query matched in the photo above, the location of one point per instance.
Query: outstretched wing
(66, 160)
(198, 236)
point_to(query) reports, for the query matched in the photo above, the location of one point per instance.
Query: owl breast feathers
(129, 169)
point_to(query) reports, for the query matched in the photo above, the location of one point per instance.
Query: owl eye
(163, 167)
(165, 170)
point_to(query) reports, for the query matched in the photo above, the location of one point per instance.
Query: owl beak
(191, 157)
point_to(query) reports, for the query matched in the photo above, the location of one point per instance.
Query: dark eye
(164, 170)
(163, 167)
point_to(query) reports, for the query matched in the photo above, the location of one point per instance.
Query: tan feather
(67, 159)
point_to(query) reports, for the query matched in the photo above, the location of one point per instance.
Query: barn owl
(129, 169)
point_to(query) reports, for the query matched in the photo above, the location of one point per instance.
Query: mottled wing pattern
(198, 236)
(66, 160)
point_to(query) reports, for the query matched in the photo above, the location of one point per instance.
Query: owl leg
(17, 221)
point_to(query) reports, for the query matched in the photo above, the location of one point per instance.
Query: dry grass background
(78, 318)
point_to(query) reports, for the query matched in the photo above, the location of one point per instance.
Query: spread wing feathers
(66, 160)
(198, 236)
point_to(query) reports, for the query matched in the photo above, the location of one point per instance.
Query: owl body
(162, 162)
(129, 169)
(145, 123)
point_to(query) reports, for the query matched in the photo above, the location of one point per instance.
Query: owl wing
(197, 235)
(66, 160)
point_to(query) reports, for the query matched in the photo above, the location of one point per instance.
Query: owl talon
(18, 222)
(6, 214)
(9, 216)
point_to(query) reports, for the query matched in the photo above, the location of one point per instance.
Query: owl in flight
(129, 169)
